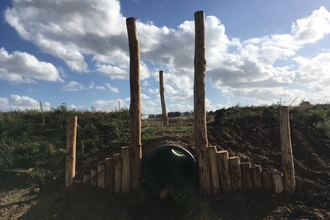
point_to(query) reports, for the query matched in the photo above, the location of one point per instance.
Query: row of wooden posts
(200, 131)
(112, 173)
(227, 174)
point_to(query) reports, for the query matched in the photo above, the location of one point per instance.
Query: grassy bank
(34, 140)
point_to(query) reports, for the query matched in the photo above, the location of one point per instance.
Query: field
(32, 164)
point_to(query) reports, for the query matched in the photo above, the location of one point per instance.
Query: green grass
(36, 140)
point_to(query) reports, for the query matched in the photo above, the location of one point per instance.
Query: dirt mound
(250, 133)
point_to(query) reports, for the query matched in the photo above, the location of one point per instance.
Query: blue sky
(258, 52)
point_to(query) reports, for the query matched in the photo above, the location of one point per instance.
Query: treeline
(178, 114)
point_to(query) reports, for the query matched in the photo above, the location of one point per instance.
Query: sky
(258, 52)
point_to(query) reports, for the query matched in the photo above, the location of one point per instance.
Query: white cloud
(69, 29)
(113, 71)
(314, 72)
(312, 28)
(21, 67)
(153, 91)
(112, 89)
(110, 105)
(73, 86)
(144, 96)
(99, 87)
(21, 103)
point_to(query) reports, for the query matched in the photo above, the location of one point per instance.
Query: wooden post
(162, 98)
(247, 175)
(236, 173)
(135, 105)
(286, 149)
(224, 170)
(86, 177)
(200, 132)
(118, 173)
(214, 171)
(101, 176)
(256, 176)
(267, 181)
(94, 180)
(109, 176)
(71, 139)
(126, 170)
(277, 178)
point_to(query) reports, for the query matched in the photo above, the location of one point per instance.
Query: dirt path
(15, 203)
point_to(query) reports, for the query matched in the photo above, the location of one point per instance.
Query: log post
(93, 178)
(286, 149)
(256, 176)
(277, 178)
(109, 176)
(200, 132)
(86, 177)
(101, 176)
(247, 175)
(126, 170)
(162, 98)
(236, 173)
(224, 170)
(118, 174)
(216, 189)
(135, 105)
(71, 139)
(267, 181)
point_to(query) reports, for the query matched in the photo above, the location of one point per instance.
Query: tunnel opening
(170, 168)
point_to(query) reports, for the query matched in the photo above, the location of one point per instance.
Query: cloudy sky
(76, 52)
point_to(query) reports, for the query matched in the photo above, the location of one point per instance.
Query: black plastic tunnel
(170, 166)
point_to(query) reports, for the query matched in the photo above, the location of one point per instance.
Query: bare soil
(254, 139)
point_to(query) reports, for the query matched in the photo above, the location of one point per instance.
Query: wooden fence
(113, 173)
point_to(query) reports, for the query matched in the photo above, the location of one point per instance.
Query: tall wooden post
(135, 105)
(71, 139)
(200, 133)
(286, 149)
(162, 98)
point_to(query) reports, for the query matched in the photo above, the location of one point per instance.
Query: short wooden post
(267, 181)
(135, 105)
(277, 178)
(216, 189)
(162, 98)
(247, 175)
(200, 132)
(224, 170)
(236, 173)
(94, 179)
(109, 176)
(286, 148)
(256, 176)
(71, 139)
(101, 176)
(118, 174)
(126, 169)
(86, 177)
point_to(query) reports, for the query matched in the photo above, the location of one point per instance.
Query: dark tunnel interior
(172, 165)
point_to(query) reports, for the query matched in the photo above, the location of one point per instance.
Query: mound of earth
(253, 137)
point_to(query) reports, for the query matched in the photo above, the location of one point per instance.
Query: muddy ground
(254, 139)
